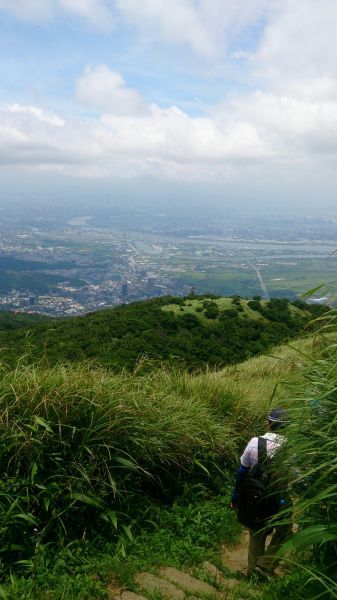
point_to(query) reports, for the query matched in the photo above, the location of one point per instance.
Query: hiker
(261, 560)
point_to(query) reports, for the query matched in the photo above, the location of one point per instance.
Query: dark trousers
(259, 555)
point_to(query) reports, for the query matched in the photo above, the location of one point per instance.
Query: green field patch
(284, 277)
(225, 282)
(299, 275)
(197, 307)
(191, 305)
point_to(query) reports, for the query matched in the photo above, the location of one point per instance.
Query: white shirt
(249, 457)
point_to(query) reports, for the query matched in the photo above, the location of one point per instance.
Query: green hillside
(109, 471)
(10, 321)
(105, 474)
(194, 332)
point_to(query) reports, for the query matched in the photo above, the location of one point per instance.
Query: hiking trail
(200, 582)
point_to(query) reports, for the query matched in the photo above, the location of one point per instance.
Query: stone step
(173, 584)
(189, 584)
(150, 584)
(132, 596)
(129, 596)
(218, 576)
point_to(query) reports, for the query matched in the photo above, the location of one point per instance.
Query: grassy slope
(193, 305)
(103, 442)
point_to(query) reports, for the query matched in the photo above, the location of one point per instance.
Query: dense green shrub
(80, 449)
(211, 311)
(118, 338)
(255, 305)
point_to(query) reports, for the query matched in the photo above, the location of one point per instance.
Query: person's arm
(240, 476)
(245, 464)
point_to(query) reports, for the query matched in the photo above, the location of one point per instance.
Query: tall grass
(84, 451)
(80, 447)
(311, 457)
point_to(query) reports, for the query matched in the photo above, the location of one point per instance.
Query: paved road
(262, 283)
(132, 265)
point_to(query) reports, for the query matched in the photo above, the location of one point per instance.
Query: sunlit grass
(85, 452)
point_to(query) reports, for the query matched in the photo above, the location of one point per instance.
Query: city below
(90, 262)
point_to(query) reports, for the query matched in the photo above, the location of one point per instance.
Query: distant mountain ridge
(192, 332)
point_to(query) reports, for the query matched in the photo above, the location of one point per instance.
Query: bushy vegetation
(311, 454)
(107, 472)
(80, 448)
(10, 321)
(170, 330)
(101, 464)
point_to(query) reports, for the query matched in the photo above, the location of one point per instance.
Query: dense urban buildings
(70, 266)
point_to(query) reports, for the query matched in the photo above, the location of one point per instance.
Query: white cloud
(105, 90)
(97, 12)
(176, 21)
(257, 129)
(32, 136)
(289, 115)
(170, 134)
(32, 10)
(41, 115)
(204, 25)
(291, 128)
(165, 141)
(298, 44)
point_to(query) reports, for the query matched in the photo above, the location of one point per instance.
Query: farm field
(287, 277)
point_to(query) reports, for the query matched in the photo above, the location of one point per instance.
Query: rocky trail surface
(203, 582)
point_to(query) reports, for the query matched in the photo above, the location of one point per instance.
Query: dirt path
(234, 556)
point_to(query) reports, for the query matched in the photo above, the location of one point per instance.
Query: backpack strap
(262, 456)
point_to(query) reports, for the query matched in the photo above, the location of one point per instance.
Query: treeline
(199, 333)
(10, 320)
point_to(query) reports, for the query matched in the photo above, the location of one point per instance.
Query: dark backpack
(258, 498)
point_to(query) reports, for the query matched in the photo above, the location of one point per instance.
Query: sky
(235, 98)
